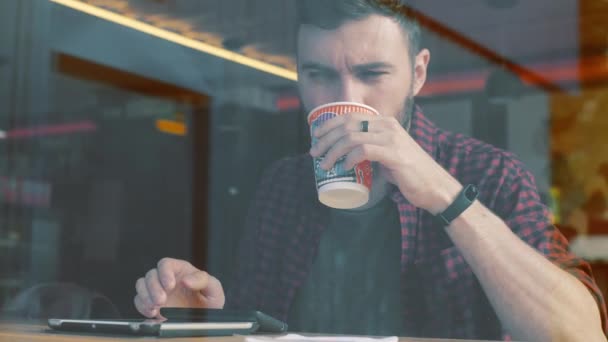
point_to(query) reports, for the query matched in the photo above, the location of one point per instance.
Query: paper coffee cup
(339, 188)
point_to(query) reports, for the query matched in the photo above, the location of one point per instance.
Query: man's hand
(402, 161)
(176, 283)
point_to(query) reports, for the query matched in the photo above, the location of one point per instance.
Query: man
(494, 269)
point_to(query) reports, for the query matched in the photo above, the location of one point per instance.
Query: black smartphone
(266, 323)
(152, 327)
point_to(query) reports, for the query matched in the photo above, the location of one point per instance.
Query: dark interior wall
(133, 209)
(244, 142)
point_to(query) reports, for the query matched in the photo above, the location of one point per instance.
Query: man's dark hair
(330, 14)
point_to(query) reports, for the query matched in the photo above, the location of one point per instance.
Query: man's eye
(371, 75)
(318, 75)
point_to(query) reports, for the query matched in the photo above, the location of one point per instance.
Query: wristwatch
(465, 198)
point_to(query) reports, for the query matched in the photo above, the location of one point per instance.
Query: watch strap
(465, 198)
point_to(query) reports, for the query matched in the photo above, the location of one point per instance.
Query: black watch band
(464, 199)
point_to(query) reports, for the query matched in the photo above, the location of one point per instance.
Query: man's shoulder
(290, 168)
(289, 176)
(286, 190)
(469, 157)
(292, 162)
(453, 141)
(459, 153)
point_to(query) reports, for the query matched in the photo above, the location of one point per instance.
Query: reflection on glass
(134, 130)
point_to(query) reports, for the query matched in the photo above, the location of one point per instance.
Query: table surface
(23, 332)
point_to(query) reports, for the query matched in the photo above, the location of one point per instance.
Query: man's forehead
(373, 40)
(343, 56)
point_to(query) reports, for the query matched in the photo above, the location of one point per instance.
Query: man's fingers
(168, 271)
(347, 128)
(327, 140)
(349, 142)
(214, 291)
(207, 286)
(155, 289)
(160, 287)
(198, 280)
(144, 308)
(340, 120)
(142, 300)
(142, 291)
(362, 153)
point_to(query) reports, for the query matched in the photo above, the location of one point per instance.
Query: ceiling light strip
(178, 38)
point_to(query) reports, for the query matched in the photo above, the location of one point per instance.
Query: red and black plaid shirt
(441, 296)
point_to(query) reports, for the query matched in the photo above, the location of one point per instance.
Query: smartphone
(266, 323)
(153, 327)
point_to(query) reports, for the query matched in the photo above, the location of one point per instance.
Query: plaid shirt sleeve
(242, 290)
(524, 213)
(264, 269)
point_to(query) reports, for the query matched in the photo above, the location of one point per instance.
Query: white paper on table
(300, 338)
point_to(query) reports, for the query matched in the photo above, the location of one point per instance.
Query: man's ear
(421, 62)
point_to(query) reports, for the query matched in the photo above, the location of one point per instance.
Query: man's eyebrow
(372, 66)
(356, 68)
(316, 66)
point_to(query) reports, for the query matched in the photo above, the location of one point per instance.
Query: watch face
(471, 192)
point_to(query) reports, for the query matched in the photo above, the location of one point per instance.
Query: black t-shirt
(353, 286)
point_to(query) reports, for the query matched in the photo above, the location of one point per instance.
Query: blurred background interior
(132, 130)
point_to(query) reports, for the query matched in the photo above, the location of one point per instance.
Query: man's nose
(349, 92)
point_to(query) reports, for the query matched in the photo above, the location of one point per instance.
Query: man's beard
(405, 115)
(405, 119)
